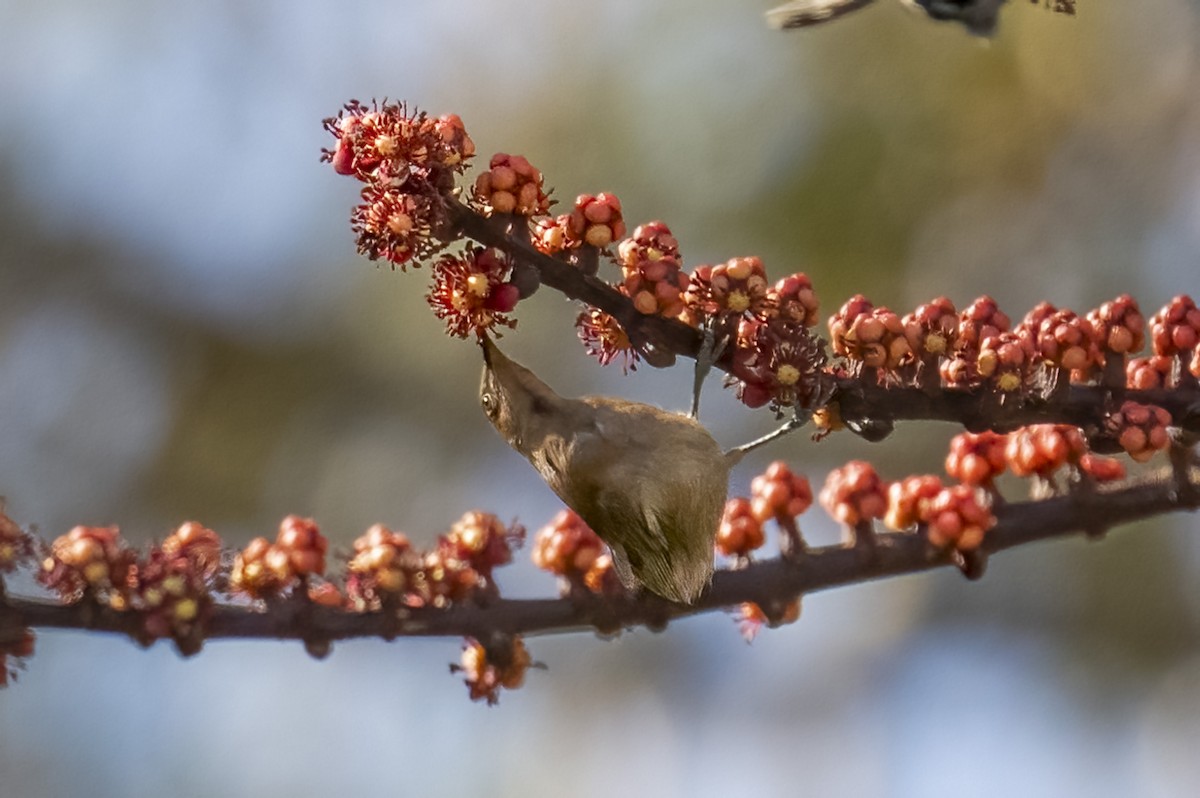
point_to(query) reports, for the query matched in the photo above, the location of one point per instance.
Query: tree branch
(859, 398)
(769, 583)
(1084, 406)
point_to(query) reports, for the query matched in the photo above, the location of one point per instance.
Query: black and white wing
(802, 13)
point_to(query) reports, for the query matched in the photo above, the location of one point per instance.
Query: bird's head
(512, 397)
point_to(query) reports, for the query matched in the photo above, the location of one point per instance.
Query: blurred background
(187, 333)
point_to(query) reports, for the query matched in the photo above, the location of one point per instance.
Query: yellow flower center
(477, 284)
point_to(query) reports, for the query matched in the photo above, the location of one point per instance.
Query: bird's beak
(485, 343)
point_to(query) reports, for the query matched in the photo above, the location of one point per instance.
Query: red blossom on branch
(909, 499)
(958, 517)
(472, 292)
(932, 329)
(396, 226)
(752, 618)
(604, 339)
(652, 271)
(793, 299)
(90, 560)
(977, 458)
(595, 220)
(487, 673)
(1041, 449)
(1141, 430)
(854, 493)
(567, 547)
(511, 185)
(775, 362)
(1119, 325)
(740, 532)
(1175, 329)
(738, 286)
(868, 336)
(383, 568)
(1006, 360)
(385, 141)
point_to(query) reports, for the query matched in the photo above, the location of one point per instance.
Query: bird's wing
(651, 544)
(656, 532)
(801, 13)
(610, 491)
(654, 509)
(637, 541)
(681, 571)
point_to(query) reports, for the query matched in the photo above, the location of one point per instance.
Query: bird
(651, 483)
(978, 16)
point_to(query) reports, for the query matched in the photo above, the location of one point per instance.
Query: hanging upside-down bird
(651, 483)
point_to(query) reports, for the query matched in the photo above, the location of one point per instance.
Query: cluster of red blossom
(486, 673)
(409, 163)
(954, 517)
(774, 356)
(170, 588)
(387, 572)
(263, 570)
(594, 221)
(568, 548)
(958, 516)
(980, 346)
(777, 495)
(780, 495)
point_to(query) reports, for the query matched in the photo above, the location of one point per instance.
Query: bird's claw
(711, 349)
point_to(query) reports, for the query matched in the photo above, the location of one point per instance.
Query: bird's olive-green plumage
(650, 483)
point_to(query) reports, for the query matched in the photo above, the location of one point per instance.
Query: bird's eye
(488, 402)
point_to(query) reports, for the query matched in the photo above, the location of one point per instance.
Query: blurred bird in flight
(978, 16)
